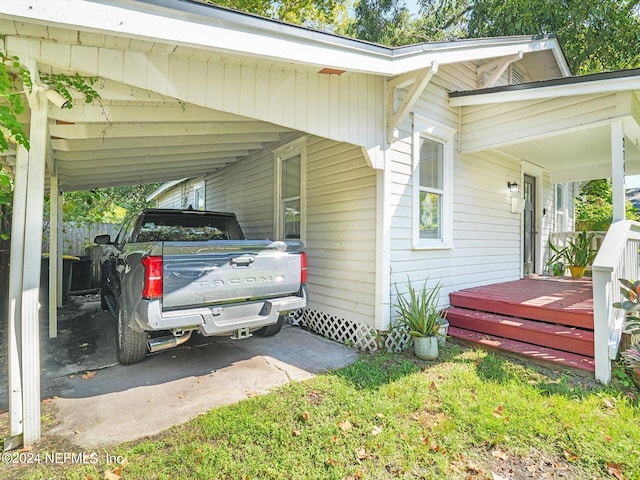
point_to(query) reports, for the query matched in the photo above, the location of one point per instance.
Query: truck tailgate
(208, 273)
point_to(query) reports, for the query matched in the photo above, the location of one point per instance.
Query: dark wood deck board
(538, 354)
(560, 337)
(563, 301)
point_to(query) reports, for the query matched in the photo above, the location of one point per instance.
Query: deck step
(564, 308)
(542, 355)
(559, 337)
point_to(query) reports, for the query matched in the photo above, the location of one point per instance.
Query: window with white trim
(561, 207)
(290, 203)
(433, 184)
(199, 196)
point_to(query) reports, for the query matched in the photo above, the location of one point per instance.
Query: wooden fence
(77, 240)
(78, 237)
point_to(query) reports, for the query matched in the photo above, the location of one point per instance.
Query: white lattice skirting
(358, 335)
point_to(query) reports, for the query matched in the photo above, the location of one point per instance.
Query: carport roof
(136, 135)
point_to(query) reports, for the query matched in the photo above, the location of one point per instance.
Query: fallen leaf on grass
(305, 416)
(498, 411)
(355, 476)
(433, 386)
(88, 375)
(608, 403)
(362, 454)
(615, 469)
(344, 426)
(500, 454)
(570, 456)
(608, 439)
(296, 433)
(251, 394)
(115, 474)
(331, 462)
(376, 430)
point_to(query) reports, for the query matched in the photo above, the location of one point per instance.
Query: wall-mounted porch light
(513, 187)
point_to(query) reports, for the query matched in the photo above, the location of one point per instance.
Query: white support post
(618, 170)
(53, 257)
(15, 299)
(383, 250)
(31, 268)
(60, 249)
(602, 281)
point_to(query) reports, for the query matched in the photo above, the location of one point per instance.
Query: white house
(389, 163)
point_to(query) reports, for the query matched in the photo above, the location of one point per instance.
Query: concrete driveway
(99, 402)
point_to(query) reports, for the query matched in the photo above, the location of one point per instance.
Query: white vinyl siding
(486, 235)
(341, 226)
(246, 188)
(170, 199)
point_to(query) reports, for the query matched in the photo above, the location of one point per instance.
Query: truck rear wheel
(132, 345)
(271, 330)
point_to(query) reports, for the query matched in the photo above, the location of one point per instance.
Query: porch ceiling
(562, 125)
(578, 155)
(133, 136)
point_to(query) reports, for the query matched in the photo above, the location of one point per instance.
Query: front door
(529, 260)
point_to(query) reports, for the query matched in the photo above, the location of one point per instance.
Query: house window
(199, 197)
(561, 207)
(290, 207)
(433, 178)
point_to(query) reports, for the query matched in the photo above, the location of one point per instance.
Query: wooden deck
(543, 318)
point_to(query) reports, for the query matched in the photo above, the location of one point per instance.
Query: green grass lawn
(471, 414)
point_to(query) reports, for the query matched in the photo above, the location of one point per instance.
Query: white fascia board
(259, 38)
(588, 87)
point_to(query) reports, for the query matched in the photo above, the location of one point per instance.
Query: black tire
(271, 330)
(132, 345)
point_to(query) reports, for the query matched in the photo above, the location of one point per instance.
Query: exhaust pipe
(165, 343)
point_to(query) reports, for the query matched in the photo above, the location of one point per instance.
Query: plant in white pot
(419, 316)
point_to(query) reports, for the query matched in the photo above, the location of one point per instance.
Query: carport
(179, 96)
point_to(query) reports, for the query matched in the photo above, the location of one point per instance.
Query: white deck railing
(618, 257)
(560, 239)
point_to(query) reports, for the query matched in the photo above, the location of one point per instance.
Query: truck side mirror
(103, 239)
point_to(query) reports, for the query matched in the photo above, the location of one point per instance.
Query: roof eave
(609, 82)
(194, 24)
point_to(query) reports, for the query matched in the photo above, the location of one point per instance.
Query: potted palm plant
(419, 316)
(630, 290)
(577, 255)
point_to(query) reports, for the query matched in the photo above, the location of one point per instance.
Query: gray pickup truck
(169, 273)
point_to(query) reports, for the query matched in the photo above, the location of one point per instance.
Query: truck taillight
(303, 268)
(152, 277)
